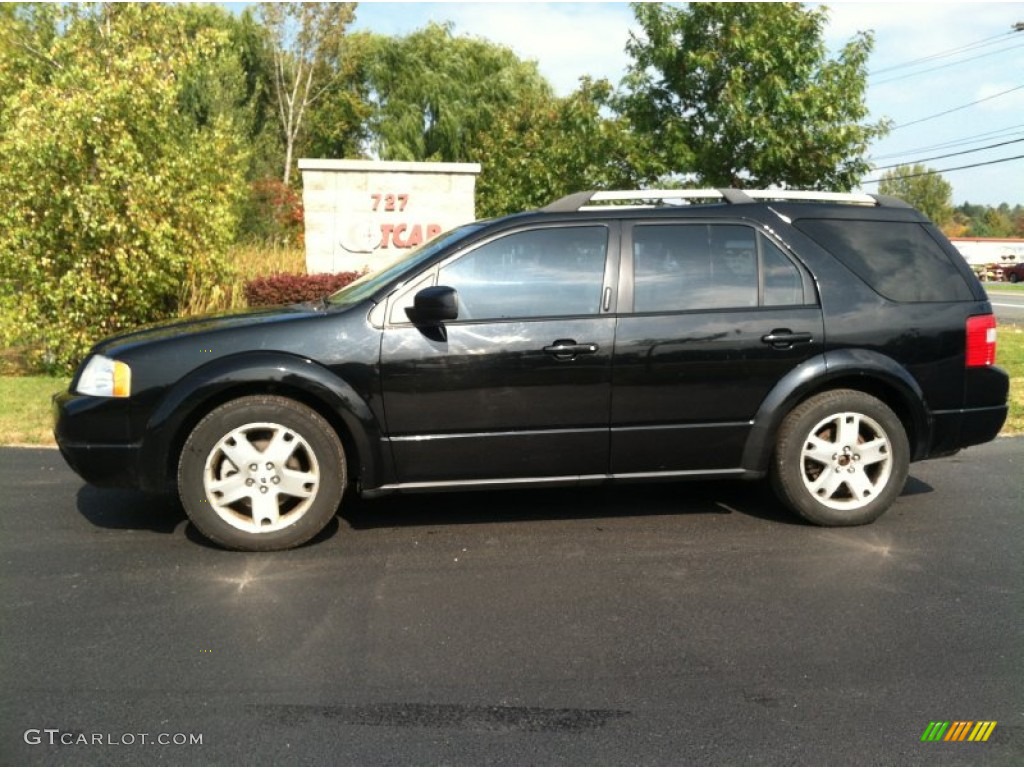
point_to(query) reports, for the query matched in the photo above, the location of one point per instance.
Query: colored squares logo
(958, 730)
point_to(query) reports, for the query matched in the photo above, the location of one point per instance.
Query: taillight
(981, 341)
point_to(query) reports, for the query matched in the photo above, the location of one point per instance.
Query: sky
(569, 40)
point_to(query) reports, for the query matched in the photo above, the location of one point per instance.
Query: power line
(957, 109)
(956, 63)
(950, 52)
(949, 170)
(1012, 130)
(951, 154)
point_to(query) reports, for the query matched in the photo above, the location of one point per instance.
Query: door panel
(519, 387)
(709, 336)
(687, 385)
(491, 403)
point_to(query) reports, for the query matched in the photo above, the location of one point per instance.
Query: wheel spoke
(280, 448)
(264, 509)
(849, 429)
(860, 484)
(829, 481)
(229, 489)
(819, 450)
(299, 484)
(874, 451)
(239, 450)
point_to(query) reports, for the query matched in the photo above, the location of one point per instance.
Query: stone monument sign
(361, 214)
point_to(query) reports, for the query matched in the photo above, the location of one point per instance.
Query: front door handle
(567, 349)
(783, 338)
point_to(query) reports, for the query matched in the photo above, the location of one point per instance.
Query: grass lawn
(1010, 356)
(25, 418)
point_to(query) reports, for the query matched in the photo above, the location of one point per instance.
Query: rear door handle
(567, 349)
(783, 338)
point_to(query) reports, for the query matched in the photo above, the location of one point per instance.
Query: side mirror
(434, 305)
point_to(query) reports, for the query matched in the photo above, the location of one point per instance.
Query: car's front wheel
(261, 473)
(841, 458)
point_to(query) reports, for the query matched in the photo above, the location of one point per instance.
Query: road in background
(660, 624)
(1008, 305)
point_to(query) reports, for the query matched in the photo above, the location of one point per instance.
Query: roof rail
(650, 198)
(808, 196)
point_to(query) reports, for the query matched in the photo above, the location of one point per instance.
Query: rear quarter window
(899, 260)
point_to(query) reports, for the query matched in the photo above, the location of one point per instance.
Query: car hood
(176, 329)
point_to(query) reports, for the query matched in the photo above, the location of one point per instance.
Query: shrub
(113, 203)
(294, 289)
(273, 214)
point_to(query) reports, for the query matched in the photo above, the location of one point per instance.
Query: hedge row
(294, 289)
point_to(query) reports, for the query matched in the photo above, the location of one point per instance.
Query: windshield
(370, 283)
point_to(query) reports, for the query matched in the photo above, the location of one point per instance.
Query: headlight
(104, 377)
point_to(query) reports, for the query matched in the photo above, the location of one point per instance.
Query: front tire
(261, 473)
(841, 458)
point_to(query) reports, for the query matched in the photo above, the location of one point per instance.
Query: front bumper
(103, 465)
(92, 434)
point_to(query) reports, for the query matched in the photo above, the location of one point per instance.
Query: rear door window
(686, 267)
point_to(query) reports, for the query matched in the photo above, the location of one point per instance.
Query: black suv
(825, 340)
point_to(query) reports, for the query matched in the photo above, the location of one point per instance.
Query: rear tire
(261, 473)
(841, 458)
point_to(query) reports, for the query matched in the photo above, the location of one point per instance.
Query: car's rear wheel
(841, 458)
(261, 473)
(1014, 277)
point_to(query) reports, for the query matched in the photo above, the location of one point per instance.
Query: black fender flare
(844, 367)
(249, 373)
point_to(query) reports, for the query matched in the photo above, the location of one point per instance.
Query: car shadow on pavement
(915, 487)
(128, 510)
(122, 509)
(193, 535)
(753, 499)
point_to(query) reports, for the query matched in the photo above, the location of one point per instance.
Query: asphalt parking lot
(660, 624)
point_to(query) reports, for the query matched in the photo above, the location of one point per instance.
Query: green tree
(337, 125)
(988, 221)
(745, 95)
(307, 44)
(236, 83)
(436, 94)
(114, 201)
(546, 147)
(27, 31)
(922, 188)
(998, 222)
(1018, 220)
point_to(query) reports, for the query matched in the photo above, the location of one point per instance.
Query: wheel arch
(263, 373)
(863, 370)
